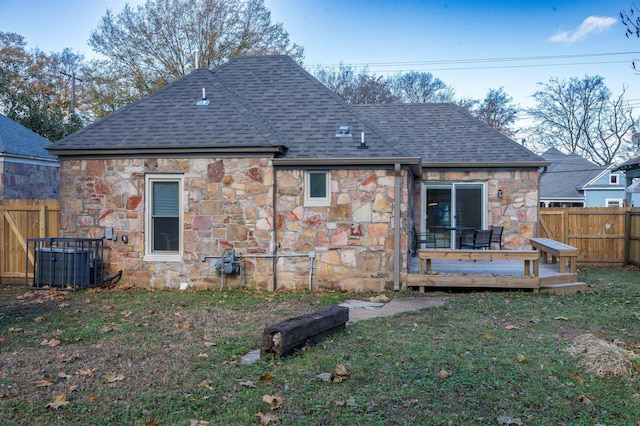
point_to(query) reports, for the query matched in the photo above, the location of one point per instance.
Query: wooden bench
(528, 256)
(560, 253)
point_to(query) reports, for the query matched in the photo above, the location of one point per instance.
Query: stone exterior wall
(28, 181)
(228, 204)
(353, 237)
(516, 211)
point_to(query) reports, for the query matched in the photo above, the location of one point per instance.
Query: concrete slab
(397, 305)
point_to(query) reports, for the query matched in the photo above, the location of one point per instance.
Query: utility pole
(73, 88)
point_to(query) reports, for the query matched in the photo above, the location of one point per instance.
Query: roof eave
(484, 165)
(155, 152)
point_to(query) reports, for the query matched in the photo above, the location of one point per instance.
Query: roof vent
(204, 100)
(343, 132)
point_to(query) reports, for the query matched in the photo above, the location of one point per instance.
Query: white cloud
(593, 24)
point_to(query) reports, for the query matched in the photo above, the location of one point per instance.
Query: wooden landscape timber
(284, 338)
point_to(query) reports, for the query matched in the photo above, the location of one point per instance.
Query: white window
(317, 190)
(613, 179)
(163, 218)
(613, 202)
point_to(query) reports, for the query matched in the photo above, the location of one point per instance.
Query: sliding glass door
(451, 209)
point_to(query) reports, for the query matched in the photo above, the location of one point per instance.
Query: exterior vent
(343, 132)
(204, 100)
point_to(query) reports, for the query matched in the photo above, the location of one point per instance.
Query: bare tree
(580, 116)
(156, 43)
(498, 111)
(420, 87)
(357, 86)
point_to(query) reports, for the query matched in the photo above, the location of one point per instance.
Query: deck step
(565, 288)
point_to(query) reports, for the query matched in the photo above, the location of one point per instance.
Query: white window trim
(613, 177)
(613, 200)
(317, 201)
(165, 257)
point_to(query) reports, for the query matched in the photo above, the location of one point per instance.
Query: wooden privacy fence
(19, 220)
(603, 236)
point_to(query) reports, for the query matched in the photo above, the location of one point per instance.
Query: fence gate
(19, 221)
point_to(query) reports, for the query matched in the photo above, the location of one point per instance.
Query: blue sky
(471, 45)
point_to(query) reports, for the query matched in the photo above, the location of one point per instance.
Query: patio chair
(481, 240)
(496, 236)
(419, 238)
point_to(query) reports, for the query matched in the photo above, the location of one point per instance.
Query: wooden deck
(498, 274)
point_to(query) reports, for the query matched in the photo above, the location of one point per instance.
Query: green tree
(33, 92)
(158, 42)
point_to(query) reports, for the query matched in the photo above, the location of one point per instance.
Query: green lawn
(485, 358)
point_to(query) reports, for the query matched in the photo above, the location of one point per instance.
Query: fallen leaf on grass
(110, 378)
(38, 319)
(265, 419)
(106, 329)
(43, 383)
(511, 327)
(275, 401)
(340, 374)
(561, 318)
(64, 305)
(349, 402)
(58, 401)
(86, 372)
(443, 374)
(585, 400)
(63, 375)
(488, 336)
(93, 397)
(576, 376)
(203, 355)
(325, 377)
(523, 359)
(637, 315)
(266, 378)
(209, 344)
(194, 422)
(15, 330)
(51, 343)
(205, 384)
(184, 325)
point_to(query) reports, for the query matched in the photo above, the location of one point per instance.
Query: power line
(402, 66)
(479, 60)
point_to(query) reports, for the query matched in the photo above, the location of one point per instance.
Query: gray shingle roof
(445, 133)
(566, 174)
(15, 139)
(170, 119)
(271, 102)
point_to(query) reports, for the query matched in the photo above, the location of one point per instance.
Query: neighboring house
(258, 158)
(27, 169)
(572, 181)
(631, 170)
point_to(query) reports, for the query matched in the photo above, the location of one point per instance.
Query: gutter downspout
(396, 225)
(274, 239)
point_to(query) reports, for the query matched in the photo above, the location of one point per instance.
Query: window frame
(614, 179)
(618, 201)
(165, 256)
(310, 201)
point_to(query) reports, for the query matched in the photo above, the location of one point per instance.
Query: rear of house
(256, 174)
